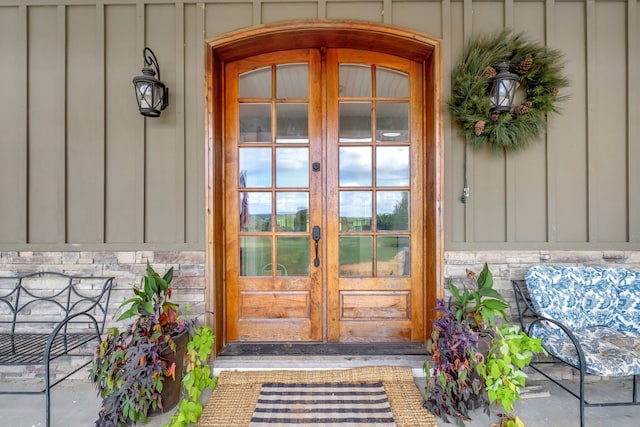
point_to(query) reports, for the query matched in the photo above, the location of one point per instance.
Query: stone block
(70, 257)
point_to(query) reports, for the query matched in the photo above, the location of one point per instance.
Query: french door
(324, 213)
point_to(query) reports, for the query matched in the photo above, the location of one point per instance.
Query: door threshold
(322, 349)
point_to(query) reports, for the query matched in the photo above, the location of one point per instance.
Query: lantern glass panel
(157, 96)
(504, 93)
(145, 94)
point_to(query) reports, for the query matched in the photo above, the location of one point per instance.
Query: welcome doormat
(235, 400)
(329, 404)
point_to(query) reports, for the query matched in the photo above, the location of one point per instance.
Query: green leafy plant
(131, 365)
(152, 300)
(511, 350)
(475, 361)
(198, 377)
(479, 305)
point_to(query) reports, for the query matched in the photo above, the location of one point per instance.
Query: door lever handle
(316, 237)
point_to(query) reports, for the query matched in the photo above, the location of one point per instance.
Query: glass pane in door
(355, 166)
(392, 166)
(292, 211)
(292, 167)
(393, 256)
(392, 210)
(356, 256)
(292, 256)
(255, 211)
(255, 256)
(392, 121)
(356, 209)
(391, 83)
(292, 123)
(355, 81)
(255, 84)
(355, 122)
(373, 175)
(255, 122)
(255, 167)
(292, 81)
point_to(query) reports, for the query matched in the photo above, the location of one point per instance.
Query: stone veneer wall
(189, 282)
(508, 265)
(128, 268)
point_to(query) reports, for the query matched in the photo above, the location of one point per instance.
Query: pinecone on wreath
(521, 109)
(479, 127)
(489, 72)
(495, 117)
(524, 65)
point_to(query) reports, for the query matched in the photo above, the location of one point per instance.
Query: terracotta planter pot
(171, 389)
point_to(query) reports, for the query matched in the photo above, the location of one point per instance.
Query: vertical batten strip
(443, 150)
(213, 269)
(61, 95)
(469, 206)
(180, 146)
(322, 9)
(508, 13)
(257, 12)
(387, 12)
(197, 236)
(139, 151)
(590, 89)
(633, 126)
(100, 132)
(510, 185)
(447, 131)
(552, 176)
(23, 184)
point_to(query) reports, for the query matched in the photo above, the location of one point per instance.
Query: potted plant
(475, 361)
(138, 370)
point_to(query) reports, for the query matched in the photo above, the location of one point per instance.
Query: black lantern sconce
(503, 89)
(152, 95)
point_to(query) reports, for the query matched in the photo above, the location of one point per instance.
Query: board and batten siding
(80, 168)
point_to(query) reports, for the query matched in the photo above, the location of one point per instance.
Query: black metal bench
(46, 316)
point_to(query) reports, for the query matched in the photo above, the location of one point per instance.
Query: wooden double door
(323, 192)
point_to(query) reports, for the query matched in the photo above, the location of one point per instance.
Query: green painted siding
(80, 168)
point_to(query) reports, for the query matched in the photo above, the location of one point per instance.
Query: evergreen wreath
(539, 71)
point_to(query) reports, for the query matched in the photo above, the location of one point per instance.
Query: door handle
(316, 237)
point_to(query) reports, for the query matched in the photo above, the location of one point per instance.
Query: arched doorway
(324, 183)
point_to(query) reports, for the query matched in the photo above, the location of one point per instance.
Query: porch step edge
(261, 363)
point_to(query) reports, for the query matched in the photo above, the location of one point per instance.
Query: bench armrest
(574, 341)
(523, 303)
(61, 329)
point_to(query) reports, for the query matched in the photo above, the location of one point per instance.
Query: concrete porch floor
(75, 404)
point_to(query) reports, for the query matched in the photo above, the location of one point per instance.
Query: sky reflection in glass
(355, 166)
(292, 167)
(392, 166)
(257, 164)
(356, 209)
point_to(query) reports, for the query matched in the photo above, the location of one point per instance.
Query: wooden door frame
(301, 34)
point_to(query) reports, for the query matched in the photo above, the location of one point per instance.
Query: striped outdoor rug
(327, 404)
